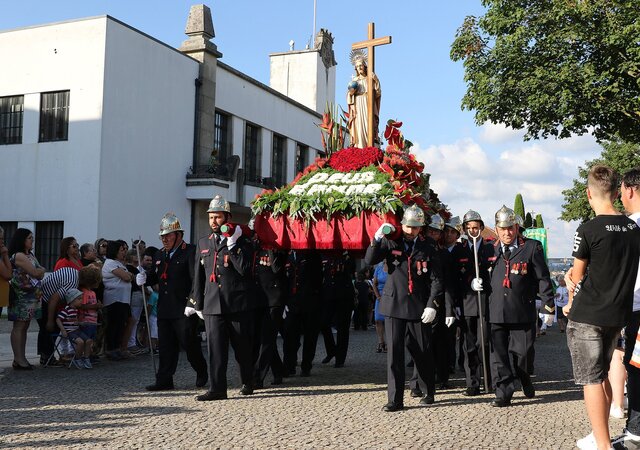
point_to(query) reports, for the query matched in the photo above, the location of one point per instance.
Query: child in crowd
(89, 279)
(562, 299)
(67, 321)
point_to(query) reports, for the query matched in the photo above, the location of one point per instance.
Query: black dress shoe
(393, 407)
(209, 396)
(415, 393)
(427, 400)
(500, 403)
(327, 359)
(305, 373)
(276, 381)
(159, 387)
(246, 390)
(202, 379)
(338, 365)
(471, 392)
(528, 390)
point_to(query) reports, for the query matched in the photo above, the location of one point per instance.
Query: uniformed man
(304, 274)
(224, 294)
(408, 301)
(338, 297)
(469, 308)
(270, 278)
(173, 266)
(518, 273)
(445, 317)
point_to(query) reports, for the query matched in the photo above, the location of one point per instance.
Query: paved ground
(334, 408)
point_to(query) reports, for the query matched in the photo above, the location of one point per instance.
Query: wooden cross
(370, 45)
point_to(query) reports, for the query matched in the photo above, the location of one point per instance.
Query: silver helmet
(436, 222)
(169, 224)
(519, 221)
(472, 216)
(505, 217)
(455, 223)
(219, 204)
(413, 216)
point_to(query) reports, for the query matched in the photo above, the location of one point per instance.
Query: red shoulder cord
(409, 271)
(212, 277)
(164, 275)
(506, 282)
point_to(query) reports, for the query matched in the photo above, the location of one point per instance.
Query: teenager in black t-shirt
(606, 251)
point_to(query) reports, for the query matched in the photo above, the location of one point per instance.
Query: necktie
(507, 252)
(409, 247)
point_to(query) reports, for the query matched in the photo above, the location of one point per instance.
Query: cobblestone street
(337, 408)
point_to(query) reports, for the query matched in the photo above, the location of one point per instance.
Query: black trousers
(360, 318)
(510, 344)
(237, 329)
(633, 375)
(117, 316)
(45, 341)
(174, 334)
(340, 316)
(417, 338)
(471, 349)
(268, 323)
(441, 345)
(297, 324)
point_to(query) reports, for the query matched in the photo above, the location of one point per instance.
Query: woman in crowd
(25, 301)
(5, 273)
(69, 254)
(116, 297)
(101, 248)
(379, 280)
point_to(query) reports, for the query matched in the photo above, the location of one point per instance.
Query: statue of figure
(357, 101)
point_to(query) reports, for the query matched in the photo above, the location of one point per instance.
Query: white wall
(147, 136)
(54, 180)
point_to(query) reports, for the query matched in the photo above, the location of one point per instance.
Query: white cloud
(467, 175)
(497, 133)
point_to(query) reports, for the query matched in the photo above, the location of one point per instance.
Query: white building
(103, 129)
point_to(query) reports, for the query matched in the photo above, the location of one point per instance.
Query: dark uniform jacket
(270, 277)
(450, 283)
(528, 276)
(397, 301)
(175, 276)
(228, 287)
(304, 275)
(466, 264)
(338, 271)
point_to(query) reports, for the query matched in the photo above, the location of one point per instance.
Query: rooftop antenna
(315, 4)
(292, 44)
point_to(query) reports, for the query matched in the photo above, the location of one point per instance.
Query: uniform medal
(524, 268)
(424, 267)
(226, 261)
(419, 265)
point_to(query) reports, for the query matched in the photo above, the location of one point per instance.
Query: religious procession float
(341, 199)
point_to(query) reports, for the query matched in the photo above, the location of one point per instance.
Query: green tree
(618, 155)
(538, 221)
(528, 221)
(518, 205)
(554, 67)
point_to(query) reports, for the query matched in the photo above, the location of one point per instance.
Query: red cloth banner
(337, 233)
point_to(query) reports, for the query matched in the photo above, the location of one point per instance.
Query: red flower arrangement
(352, 158)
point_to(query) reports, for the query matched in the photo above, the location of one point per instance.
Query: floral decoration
(352, 158)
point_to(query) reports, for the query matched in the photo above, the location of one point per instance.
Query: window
(221, 144)
(301, 157)
(279, 160)
(54, 116)
(11, 113)
(9, 230)
(252, 157)
(48, 236)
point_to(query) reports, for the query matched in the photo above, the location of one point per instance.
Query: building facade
(103, 129)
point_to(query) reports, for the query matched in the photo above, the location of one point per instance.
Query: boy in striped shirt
(69, 326)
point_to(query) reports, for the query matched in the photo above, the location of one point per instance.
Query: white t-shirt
(636, 290)
(115, 288)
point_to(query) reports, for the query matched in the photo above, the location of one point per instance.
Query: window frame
(9, 118)
(279, 160)
(54, 120)
(252, 155)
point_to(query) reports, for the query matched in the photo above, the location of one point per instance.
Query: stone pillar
(200, 31)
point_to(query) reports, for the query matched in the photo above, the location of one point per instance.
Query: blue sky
(473, 167)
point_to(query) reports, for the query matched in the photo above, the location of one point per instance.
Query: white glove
(380, 234)
(189, 311)
(231, 241)
(476, 284)
(448, 321)
(428, 315)
(199, 313)
(141, 278)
